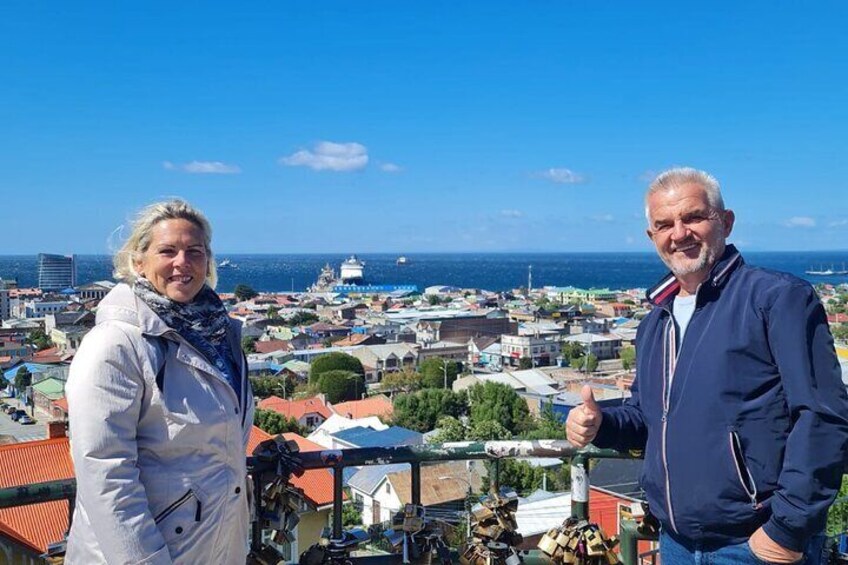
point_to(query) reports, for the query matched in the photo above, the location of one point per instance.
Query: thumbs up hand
(583, 421)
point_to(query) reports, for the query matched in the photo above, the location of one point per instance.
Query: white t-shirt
(684, 307)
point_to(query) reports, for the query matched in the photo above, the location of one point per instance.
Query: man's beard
(685, 266)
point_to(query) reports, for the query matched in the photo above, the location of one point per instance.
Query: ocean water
(490, 271)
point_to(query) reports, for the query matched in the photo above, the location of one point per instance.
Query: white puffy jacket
(160, 468)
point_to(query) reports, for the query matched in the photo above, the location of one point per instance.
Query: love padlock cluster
(280, 505)
(580, 543)
(494, 531)
(420, 538)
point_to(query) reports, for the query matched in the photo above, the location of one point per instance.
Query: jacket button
(238, 490)
(179, 529)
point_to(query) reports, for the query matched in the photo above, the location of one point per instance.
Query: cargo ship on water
(351, 280)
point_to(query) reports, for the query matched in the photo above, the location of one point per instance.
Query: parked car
(10, 410)
(18, 414)
(25, 419)
(3, 405)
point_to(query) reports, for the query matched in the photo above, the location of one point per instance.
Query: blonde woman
(161, 407)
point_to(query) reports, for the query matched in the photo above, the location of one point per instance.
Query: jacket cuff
(783, 536)
(606, 436)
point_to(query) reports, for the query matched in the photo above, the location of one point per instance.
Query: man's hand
(583, 421)
(769, 550)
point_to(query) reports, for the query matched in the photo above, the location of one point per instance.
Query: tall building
(5, 306)
(56, 272)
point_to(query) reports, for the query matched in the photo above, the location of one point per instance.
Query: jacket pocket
(179, 519)
(743, 473)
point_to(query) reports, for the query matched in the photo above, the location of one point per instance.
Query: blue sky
(432, 126)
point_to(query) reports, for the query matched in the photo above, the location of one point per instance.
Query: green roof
(51, 387)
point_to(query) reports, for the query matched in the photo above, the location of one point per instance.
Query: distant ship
(827, 272)
(352, 271)
(402, 260)
(227, 264)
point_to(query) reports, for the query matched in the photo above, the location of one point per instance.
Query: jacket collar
(667, 288)
(122, 304)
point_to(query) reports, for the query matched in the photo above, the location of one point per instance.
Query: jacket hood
(662, 292)
(121, 304)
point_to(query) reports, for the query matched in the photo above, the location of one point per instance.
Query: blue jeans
(677, 552)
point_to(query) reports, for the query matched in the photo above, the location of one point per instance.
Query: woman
(160, 407)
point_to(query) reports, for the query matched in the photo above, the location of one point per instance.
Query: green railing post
(630, 536)
(580, 486)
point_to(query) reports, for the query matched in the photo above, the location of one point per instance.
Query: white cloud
(326, 155)
(838, 223)
(390, 168)
(800, 222)
(561, 176)
(203, 167)
(603, 218)
(512, 213)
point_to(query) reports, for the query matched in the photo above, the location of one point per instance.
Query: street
(38, 430)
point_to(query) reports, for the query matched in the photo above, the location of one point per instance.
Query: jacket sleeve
(818, 442)
(623, 427)
(104, 391)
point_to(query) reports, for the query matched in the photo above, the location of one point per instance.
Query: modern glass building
(56, 272)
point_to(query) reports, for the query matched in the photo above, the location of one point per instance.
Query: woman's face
(175, 262)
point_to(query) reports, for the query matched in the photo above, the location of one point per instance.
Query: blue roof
(368, 478)
(391, 437)
(31, 367)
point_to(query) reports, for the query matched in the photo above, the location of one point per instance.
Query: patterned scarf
(203, 322)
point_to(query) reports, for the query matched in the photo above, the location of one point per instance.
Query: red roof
(35, 525)
(378, 405)
(838, 318)
(272, 345)
(317, 484)
(62, 403)
(296, 409)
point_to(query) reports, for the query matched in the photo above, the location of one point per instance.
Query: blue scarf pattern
(203, 322)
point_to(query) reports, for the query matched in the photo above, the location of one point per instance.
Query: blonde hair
(139, 240)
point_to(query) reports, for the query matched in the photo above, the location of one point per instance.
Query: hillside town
(346, 366)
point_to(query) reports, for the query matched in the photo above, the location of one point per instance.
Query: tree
(525, 363)
(340, 386)
(588, 364)
(39, 339)
(628, 357)
(547, 426)
(487, 430)
(837, 516)
(572, 350)
(421, 410)
(335, 361)
(520, 475)
(450, 429)
(840, 332)
(248, 344)
(433, 299)
(406, 380)
(275, 423)
(23, 379)
(499, 403)
(433, 372)
(244, 292)
(263, 387)
(273, 313)
(302, 318)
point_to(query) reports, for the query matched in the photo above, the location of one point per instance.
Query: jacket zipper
(669, 365)
(739, 461)
(176, 504)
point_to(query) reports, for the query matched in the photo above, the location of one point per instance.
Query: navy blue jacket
(753, 430)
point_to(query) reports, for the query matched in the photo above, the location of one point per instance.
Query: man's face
(688, 233)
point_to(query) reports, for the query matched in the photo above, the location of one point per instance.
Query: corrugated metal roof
(35, 525)
(391, 437)
(369, 478)
(440, 482)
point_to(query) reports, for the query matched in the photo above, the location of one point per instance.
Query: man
(738, 400)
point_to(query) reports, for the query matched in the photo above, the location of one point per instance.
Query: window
(388, 488)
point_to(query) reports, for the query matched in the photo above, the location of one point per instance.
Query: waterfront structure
(95, 291)
(56, 272)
